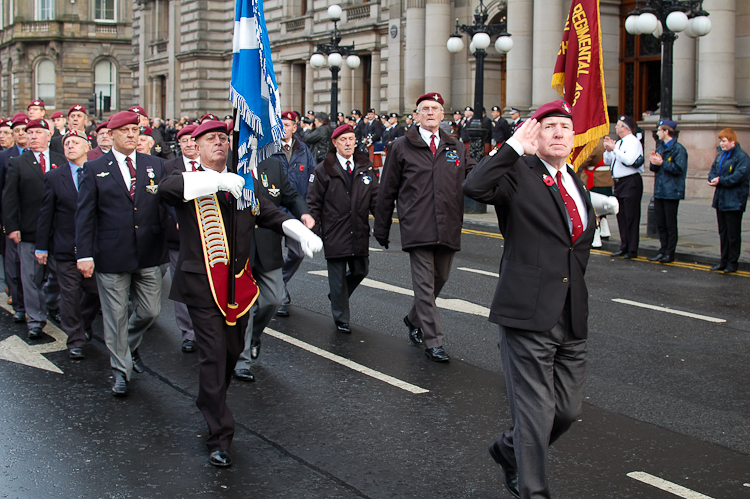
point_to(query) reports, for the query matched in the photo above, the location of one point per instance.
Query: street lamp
(663, 19)
(336, 54)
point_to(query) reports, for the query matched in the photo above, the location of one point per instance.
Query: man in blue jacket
(669, 163)
(298, 164)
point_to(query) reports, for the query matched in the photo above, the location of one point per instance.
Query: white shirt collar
(187, 162)
(120, 157)
(343, 160)
(427, 136)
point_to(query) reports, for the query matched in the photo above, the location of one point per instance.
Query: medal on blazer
(151, 188)
(273, 191)
(264, 179)
(216, 257)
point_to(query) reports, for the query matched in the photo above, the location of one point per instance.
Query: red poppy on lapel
(549, 181)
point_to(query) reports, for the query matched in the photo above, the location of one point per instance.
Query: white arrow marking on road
(477, 271)
(375, 249)
(446, 303)
(669, 310)
(666, 486)
(346, 362)
(14, 349)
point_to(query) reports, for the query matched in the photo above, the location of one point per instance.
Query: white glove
(308, 240)
(197, 184)
(231, 183)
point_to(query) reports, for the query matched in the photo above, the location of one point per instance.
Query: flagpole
(233, 213)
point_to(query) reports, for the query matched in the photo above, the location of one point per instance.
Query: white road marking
(477, 271)
(666, 486)
(446, 303)
(375, 249)
(14, 349)
(669, 310)
(346, 362)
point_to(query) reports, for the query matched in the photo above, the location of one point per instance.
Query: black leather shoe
(244, 375)
(730, 269)
(436, 354)
(220, 459)
(667, 259)
(254, 349)
(343, 327)
(19, 317)
(282, 311)
(76, 353)
(54, 316)
(120, 388)
(415, 333)
(88, 333)
(656, 258)
(630, 256)
(137, 362)
(510, 472)
(35, 333)
(617, 253)
(188, 346)
(718, 266)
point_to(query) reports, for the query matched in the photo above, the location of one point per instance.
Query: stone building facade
(62, 51)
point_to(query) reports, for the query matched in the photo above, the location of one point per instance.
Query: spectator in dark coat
(319, 139)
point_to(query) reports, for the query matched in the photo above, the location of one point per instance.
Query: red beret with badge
(122, 119)
(102, 125)
(138, 110)
(37, 124)
(146, 130)
(57, 114)
(76, 133)
(341, 130)
(289, 115)
(557, 108)
(37, 102)
(208, 127)
(186, 130)
(19, 119)
(433, 96)
(210, 116)
(77, 108)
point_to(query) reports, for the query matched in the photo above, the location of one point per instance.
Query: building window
(46, 79)
(104, 10)
(105, 86)
(44, 11)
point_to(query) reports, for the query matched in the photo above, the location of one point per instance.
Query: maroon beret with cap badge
(341, 130)
(78, 108)
(433, 96)
(557, 108)
(122, 119)
(208, 127)
(186, 130)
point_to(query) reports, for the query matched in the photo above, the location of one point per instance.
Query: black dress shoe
(436, 354)
(667, 259)
(656, 258)
(35, 333)
(254, 349)
(220, 458)
(244, 375)
(282, 311)
(510, 472)
(617, 253)
(88, 333)
(19, 317)
(54, 316)
(76, 353)
(343, 327)
(415, 333)
(188, 346)
(137, 362)
(718, 266)
(730, 269)
(630, 256)
(120, 388)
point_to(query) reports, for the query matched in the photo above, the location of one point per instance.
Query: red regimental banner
(579, 77)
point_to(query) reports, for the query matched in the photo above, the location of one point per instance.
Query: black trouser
(629, 191)
(730, 235)
(666, 223)
(343, 282)
(79, 302)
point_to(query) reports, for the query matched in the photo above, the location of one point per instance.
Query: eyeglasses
(428, 109)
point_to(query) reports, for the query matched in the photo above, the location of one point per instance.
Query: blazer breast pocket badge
(274, 191)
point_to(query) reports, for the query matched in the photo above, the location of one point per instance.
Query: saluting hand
(527, 135)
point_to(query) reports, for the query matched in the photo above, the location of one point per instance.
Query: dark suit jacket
(173, 235)
(56, 230)
(5, 156)
(540, 264)
(56, 143)
(275, 187)
(190, 283)
(121, 235)
(23, 192)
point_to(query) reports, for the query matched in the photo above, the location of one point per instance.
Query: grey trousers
(181, 315)
(122, 335)
(32, 279)
(271, 287)
(292, 261)
(343, 282)
(430, 269)
(13, 274)
(544, 375)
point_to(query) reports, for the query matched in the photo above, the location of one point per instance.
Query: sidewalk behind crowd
(698, 233)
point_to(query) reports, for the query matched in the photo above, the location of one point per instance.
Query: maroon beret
(186, 130)
(76, 133)
(138, 110)
(19, 115)
(209, 116)
(146, 130)
(208, 127)
(37, 124)
(103, 124)
(123, 118)
(628, 120)
(230, 126)
(7, 123)
(557, 108)
(57, 114)
(289, 115)
(341, 130)
(79, 108)
(36, 102)
(434, 96)
(19, 119)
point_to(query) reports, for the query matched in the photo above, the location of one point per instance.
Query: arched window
(46, 79)
(105, 84)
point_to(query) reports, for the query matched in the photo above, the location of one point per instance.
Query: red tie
(192, 164)
(570, 205)
(132, 176)
(42, 163)
(433, 147)
(348, 167)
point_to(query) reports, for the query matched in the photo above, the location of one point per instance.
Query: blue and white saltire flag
(255, 94)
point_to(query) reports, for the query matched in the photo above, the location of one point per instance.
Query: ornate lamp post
(336, 54)
(663, 19)
(481, 35)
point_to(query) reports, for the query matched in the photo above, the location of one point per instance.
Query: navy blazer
(121, 234)
(5, 156)
(56, 230)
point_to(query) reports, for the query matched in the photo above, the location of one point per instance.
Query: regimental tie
(192, 165)
(42, 163)
(129, 162)
(570, 205)
(348, 167)
(79, 174)
(433, 147)
(286, 147)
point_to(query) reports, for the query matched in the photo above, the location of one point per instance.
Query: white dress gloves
(307, 238)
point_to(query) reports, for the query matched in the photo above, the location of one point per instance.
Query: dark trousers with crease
(79, 302)
(730, 236)
(629, 192)
(666, 223)
(219, 347)
(343, 282)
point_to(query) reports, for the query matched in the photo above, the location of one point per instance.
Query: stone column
(172, 80)
(743, 57)
(437, 59)
(415, 50)
(518, 65)
(716, 61)
(395, 58)
(683, 75)
(549, 21)
(309, 90)
(286, 89)
(375, 80)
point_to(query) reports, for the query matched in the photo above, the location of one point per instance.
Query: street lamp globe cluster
(336, 54)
